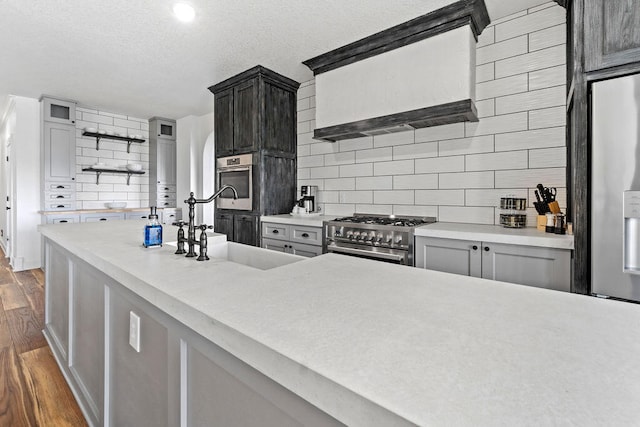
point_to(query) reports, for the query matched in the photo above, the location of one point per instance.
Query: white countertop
(495, 234)
(305, 220)
(378, 344)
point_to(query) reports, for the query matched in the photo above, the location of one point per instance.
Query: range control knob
(379, 238)
(389, 239)
(398, 240)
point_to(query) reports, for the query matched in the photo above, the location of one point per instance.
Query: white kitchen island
(365, 342)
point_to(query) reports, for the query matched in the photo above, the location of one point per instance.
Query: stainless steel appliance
(237, 172)
(385, 238)
(308, 200)
(615, 170)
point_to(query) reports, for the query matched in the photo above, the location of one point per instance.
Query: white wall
(195, 164)
(459, 172)
(20, 126)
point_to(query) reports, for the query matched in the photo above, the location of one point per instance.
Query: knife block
(542, 223)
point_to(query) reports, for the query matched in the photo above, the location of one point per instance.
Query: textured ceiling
(133, 57)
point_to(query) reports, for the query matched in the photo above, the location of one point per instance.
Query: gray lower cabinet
(298, 240)
(541, 267)
(102, 216)
(177, 378)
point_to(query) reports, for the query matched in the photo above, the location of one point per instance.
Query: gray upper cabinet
(612, 33)
(59, 152)
(162, 164)
(162, 128)
(541, 267)
(58, 111)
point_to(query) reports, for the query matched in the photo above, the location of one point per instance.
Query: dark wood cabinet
(255, 112)
(239, 227)
(612, 33)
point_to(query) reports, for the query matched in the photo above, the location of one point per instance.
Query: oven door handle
(370, 254)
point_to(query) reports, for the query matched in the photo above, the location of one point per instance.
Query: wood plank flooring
(33, 391)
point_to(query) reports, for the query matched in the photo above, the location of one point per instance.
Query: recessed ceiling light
(184, 12)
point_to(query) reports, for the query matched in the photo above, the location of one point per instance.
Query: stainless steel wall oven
(236, 171)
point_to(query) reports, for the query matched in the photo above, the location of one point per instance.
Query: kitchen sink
(251, 256)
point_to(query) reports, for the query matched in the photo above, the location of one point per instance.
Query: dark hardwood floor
(33, 391)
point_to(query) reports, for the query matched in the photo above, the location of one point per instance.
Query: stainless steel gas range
(385, 238)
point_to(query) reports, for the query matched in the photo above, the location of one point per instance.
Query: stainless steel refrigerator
(615, 175)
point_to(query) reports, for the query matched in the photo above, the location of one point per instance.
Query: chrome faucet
(191, 230)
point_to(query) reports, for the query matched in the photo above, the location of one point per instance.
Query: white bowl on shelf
(91, 130)
(99, 165)
(116, 205)
(102, 132)
(134, 167)
(110, 132)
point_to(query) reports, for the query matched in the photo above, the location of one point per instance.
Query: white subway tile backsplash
(396, 167)
(529, 178)
(97, 118)
(501, 50)
(303, 104)
(548, 158)
(465, 180)
(356, 197)
(472, 145)
(416, 210)
(485, 72)
(486, 108)
(329, 197)
(339, 209)
(323, 148)
(508, 18)
(554, 76)
(530, 23)
(535, 99)
(440, 164)
(415, 182)
(305, 138)
(538, 60)
(440, 197)
(548, 37)
(497, 161)
(304, 150)
(374, 183)
(362, 169)
(125, 123)
(375, 209)
(86, 195)
(547, 117)
(506, 86)
(303, 173)
(341, 184)
(497, 124)
(415, 151)
(324, 172)
(339, 158)
(306, 115)
(356, 144)
(439, 133)
(539, 138)
(394, 197)
(486, 37)
(310, 161)
(544, 4)
(307, 91)
(475, 215)
(304, 127)
(491, 197)
(374, 155)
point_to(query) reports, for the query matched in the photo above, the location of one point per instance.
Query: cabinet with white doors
(58, 154)
(290, 238)
(162, 162)
(541, 267)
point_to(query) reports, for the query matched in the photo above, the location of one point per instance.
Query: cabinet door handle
(305, 235)
(60, 206)
(59, 197)
(474, 247)
(486, 248)
(166, 196)
(60, 186)
(103, 219)
(63, 221)
(275, 231)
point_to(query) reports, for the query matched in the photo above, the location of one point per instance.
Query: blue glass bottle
(153, 230)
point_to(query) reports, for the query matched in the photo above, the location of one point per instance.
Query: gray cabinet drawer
(59, 197)
(306, 235)
(136, 215)
(275, 245)
(166, 203)
(59, 187)
(62, 219)
(166, 188)
(275, 231)
(305, 250)
(101, 217)
(66, 205)
(171, 215)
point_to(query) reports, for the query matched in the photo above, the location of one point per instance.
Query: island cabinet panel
(613, 36)
(57, 300)
(526, 265)
(140, 386)
(222, 390)
(86, 355)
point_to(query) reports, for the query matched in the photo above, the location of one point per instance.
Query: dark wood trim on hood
(463, 12)
(444, 114)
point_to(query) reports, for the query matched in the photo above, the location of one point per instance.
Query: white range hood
(418, 74)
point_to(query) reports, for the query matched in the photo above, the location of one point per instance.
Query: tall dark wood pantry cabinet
(255, 112)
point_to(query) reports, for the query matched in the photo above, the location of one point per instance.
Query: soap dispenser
(153, 230)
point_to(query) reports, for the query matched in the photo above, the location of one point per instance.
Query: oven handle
(338, 249)
(222, 169)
